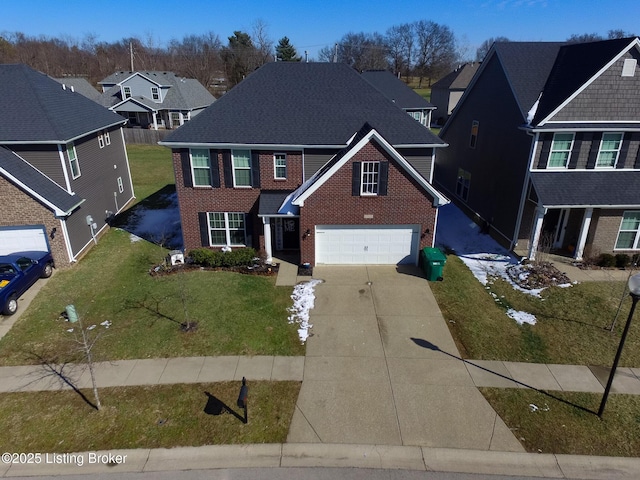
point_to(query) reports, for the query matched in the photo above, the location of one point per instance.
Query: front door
(287, 233)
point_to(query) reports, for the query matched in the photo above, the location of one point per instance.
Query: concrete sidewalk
(289, 455)
(157, 371)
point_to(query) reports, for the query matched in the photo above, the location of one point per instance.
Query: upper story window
(241, 161)
(73, 160)
(101, 141)
(609, 150)
(629, 67)
(126, 91)
(201, 167)
(104, 139)
(155, 93)
(475, 125)
(107, 138)
(280, 166)
(560, 150)
(370, 178)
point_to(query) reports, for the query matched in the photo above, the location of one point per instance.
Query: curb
(327, 455)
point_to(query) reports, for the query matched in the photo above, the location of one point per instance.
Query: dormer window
(126, 91)
(155, 94)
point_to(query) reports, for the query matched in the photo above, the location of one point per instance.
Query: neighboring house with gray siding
(153, 99)
(447, 92)
(311, 160)
(64, 170)
(545, 147)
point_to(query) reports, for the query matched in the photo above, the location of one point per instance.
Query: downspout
(67, 242)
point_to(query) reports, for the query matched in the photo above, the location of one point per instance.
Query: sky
(314, 24)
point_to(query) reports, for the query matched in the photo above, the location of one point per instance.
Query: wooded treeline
(422, 49)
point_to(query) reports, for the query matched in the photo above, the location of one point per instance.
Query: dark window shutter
(546, 141)
(593, 153)
(215, 168)
(248, 229)
(355, 179)
(228, 172)
(383, 178)
(575, 153)
(185, 163)
(637, 161)
(255, 170)
(624, 150)
(203, 220)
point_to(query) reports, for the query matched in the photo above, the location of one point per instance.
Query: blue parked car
(18, 272)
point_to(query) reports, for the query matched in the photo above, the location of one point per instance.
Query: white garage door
(367, 244)
(24, 238)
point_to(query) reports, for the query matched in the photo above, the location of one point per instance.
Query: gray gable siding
(610, 97)
(421, 159)
(140, 86)
(98, 185)
(45, 158)
(499, 162)
(315, 158)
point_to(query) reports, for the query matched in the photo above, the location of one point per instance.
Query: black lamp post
(634, 291)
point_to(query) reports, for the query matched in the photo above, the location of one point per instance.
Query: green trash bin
(433, 261)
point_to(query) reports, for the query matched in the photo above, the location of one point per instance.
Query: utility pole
(335, 54)
(131, 54)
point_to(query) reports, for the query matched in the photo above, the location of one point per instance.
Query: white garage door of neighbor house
(367, 244)
(21, 239)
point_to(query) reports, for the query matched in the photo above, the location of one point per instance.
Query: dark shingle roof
(80, 85)
(597, 188)
(291, 103)
(271, 201)
(19, 170)
(36, 109)
(527, 66)
(395, 89)
(574, 65)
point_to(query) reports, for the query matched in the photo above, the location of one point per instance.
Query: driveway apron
(382, 368)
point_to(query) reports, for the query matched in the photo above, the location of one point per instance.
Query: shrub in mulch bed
(241, 260)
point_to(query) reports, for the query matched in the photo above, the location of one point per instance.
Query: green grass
(151, 169)
(570, 328)
(145, 417)
(566, 424)
(237, 314)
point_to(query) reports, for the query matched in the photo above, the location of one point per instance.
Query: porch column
(584, 230)
(537, 230)
(267, 238)
(155, 121)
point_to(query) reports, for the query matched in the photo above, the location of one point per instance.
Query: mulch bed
(537, 275)
(257, 269)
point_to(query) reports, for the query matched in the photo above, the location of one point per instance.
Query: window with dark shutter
(384, 178)
(355, 180)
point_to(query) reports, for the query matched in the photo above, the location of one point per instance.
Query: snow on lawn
(303, 301)
(482, 254)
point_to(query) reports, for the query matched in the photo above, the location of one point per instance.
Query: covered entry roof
(587, 188)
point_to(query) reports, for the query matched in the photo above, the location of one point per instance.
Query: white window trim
(636, 241)
(463, 176)
(552, 151)
(71, 146)
(157, 93)
(107, 138)
(101, 141)
(276, 166)
(615, 162)
(126, 92)
(193, 168)
(375, 184)
(233, 169)
(227, 230)
(120, 185)
(473, 137)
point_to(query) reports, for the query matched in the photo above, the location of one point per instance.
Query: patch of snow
(303, 300)
(134, 238)
(521, 317)
(106, 324)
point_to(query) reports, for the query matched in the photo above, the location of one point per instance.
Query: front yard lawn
(570, 329)
(236, 314)
(145, 417)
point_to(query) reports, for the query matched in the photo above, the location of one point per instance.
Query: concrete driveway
(382, 368)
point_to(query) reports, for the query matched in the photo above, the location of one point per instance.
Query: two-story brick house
(64, 170)
(309, 158)
(545, 147)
